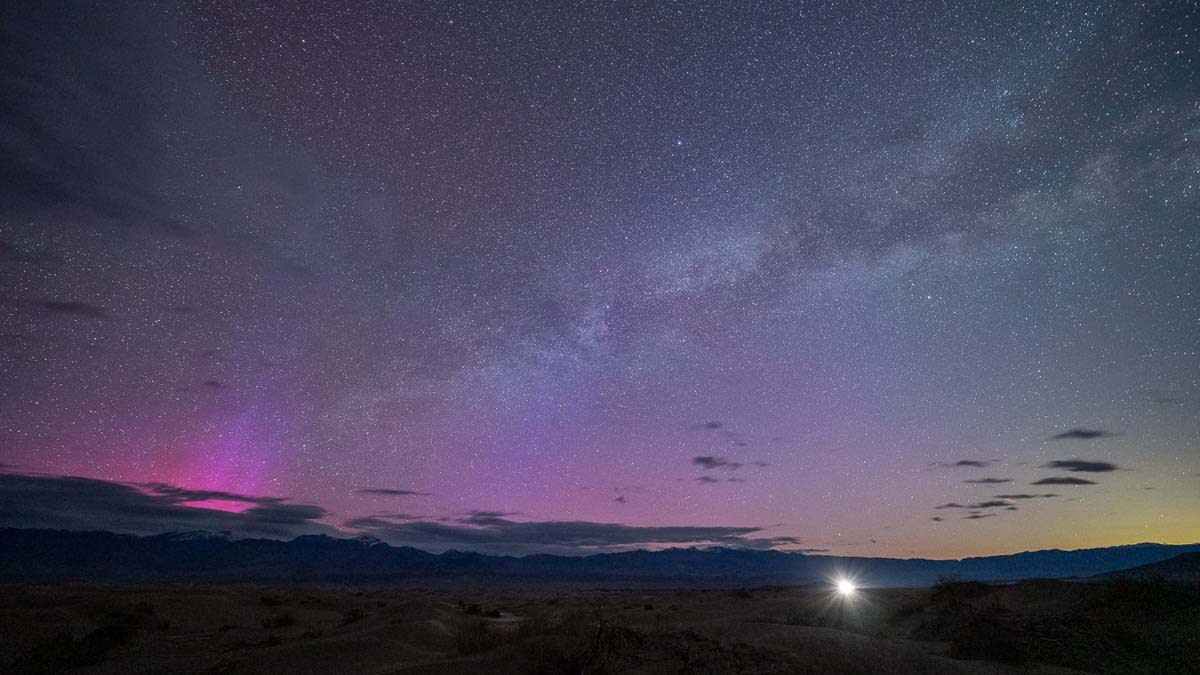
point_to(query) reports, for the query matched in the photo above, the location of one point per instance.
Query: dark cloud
(179, 494)
(708, 479)
(620, 500)
(1063, 480)
(72, 308)
(937, 519)
(501, 535)
(988, 481)
(397, 517)
(979, 516)
(1082, 434)
(965, 463)
(484, 517)
(285, 514)
(1081, 465)
(1023, 495)
(712, 425)
(991, 504)
(735, 480)
(1160, 397)
(1011, 508)
(213, 384)
(761, 464)
(951, 505)
(710, 462)
(391, 492)
(72, 503)
(68, 123)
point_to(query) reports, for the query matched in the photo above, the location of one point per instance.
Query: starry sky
(907, 280)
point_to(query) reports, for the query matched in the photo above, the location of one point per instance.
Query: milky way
(593, 276)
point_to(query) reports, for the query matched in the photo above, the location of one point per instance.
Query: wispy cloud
(502, 535)
(391, 492)
(988, 481)
(708, 462)
(74, 503)
(990, 504)
(1081, 465)
(1063, 480)
(965, 463)
(1082, 434)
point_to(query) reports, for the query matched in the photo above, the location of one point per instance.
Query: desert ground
(961, 627)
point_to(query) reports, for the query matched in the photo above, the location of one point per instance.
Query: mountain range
(32, 554)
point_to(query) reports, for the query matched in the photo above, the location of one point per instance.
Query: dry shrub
(951, 592)
(64, 651)
(991, 633)
(279, 621)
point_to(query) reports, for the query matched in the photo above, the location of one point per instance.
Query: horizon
(346, 536)
(894, 283)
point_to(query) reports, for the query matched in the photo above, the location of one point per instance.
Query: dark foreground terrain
(1110, 626)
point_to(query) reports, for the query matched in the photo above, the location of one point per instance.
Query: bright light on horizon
(845, 587)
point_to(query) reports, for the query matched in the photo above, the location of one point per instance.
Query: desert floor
(1030, 628)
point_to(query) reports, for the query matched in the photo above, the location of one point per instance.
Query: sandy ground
(325, 629)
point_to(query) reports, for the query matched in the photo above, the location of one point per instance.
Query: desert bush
(991, 634)
(478, 636)
(576, 642)
(906, 610)
(279, 621)
(797, 618)
(64, 651)
(951, 591)
(550, 655)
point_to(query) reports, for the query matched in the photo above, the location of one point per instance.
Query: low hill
(41, 554)
(1182, 569)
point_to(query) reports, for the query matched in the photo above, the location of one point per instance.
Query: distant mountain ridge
(29, 554)
(1181, 569)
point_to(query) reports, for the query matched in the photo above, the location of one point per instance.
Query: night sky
(911, 280)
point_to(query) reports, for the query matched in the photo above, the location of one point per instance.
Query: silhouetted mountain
(1182, 569)
(40, 554)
